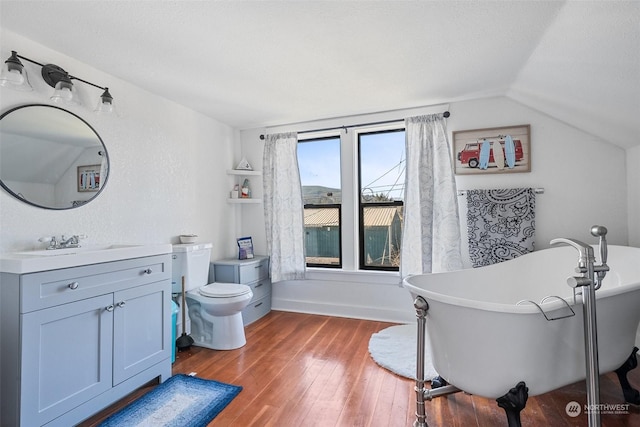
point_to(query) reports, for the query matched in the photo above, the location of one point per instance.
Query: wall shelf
(238, 174)
(243, 172)
(244, 201)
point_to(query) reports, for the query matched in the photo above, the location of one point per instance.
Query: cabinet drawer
(241, 271)
(256, 310)
(260, 288)
(257, 271)
(50, 288)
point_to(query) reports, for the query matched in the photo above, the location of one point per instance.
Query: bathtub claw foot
(438, 382)
(631, 395)
(513, 402)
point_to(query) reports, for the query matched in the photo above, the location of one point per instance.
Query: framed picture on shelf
(88, 178)
(492, 150)
(245, 248)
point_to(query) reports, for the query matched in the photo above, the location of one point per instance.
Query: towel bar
(535, 190)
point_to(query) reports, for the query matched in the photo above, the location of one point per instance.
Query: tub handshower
(489, 344)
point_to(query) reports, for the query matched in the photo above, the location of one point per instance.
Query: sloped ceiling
(254, 64)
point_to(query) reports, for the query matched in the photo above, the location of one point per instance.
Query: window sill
(361, 276)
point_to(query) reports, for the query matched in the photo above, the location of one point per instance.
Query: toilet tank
(190, 260)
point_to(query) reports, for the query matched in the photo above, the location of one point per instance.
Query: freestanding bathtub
(487, 335)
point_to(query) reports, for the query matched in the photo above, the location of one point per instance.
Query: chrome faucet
(63, 243)
(585, 251)
(71, 242)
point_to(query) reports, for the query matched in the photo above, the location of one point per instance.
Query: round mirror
(50, 157)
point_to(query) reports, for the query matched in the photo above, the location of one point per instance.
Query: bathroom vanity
(252, 272)
(81, 331)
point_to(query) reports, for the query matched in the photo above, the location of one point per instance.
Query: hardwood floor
(307, 370)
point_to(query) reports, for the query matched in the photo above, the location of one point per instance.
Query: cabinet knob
(147, 271)
(73, 285)
(110, 307)
(121, 304)
(258, 285)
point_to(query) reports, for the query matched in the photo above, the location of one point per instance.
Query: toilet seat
(224, 290)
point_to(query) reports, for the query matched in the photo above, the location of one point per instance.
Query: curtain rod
(445, 114)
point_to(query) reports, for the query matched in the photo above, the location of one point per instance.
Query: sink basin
(42, 260)
(73, 251)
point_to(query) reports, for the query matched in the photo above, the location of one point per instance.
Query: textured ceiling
(254, 64)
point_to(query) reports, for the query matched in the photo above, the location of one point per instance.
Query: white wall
(583, 177)
(580, 190)
(167, 167)
(633, 181)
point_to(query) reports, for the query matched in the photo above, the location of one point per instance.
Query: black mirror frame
(104, 149)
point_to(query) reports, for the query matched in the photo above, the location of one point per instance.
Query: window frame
(351, 229)
(317, 138)
(328, 206)
(363, 130)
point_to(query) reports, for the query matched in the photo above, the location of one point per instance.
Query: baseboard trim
(342, 310)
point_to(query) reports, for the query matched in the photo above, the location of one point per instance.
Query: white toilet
(214, 308)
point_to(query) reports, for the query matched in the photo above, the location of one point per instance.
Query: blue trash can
(175, 309)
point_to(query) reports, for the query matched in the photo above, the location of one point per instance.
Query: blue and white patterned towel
(500, 224)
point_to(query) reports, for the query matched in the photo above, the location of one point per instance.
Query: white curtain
(431, 227)
(283, 207)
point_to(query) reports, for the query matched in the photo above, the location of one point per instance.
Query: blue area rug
(181, 401)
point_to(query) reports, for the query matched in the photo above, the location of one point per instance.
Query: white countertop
(42, 260)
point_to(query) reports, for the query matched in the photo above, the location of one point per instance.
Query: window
(353, 190)
(381, 167)
(319, 163)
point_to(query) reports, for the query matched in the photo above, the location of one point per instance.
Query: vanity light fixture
(15, 76)
(60, 80)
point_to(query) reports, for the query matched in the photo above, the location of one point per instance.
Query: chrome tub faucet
(589, 280)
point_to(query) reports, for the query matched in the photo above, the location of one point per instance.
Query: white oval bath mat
(394, 348)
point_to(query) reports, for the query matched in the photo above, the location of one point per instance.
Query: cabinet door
(66, 357)
(142, 329)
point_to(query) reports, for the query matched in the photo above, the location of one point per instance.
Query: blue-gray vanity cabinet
(82, 337)
(252, 272)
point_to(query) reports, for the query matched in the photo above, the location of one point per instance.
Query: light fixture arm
(89, 83)
(58, 70)
(27, 59)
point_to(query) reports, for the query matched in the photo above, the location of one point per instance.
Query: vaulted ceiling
(259, 63)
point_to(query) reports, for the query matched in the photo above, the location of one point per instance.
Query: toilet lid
(224, 290)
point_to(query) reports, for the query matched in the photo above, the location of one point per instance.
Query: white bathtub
(484, 344)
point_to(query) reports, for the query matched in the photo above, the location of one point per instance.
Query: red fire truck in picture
(470, 155)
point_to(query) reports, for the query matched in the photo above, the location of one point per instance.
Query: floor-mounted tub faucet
(590, 280)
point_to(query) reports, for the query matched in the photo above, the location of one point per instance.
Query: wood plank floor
(307, 370)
